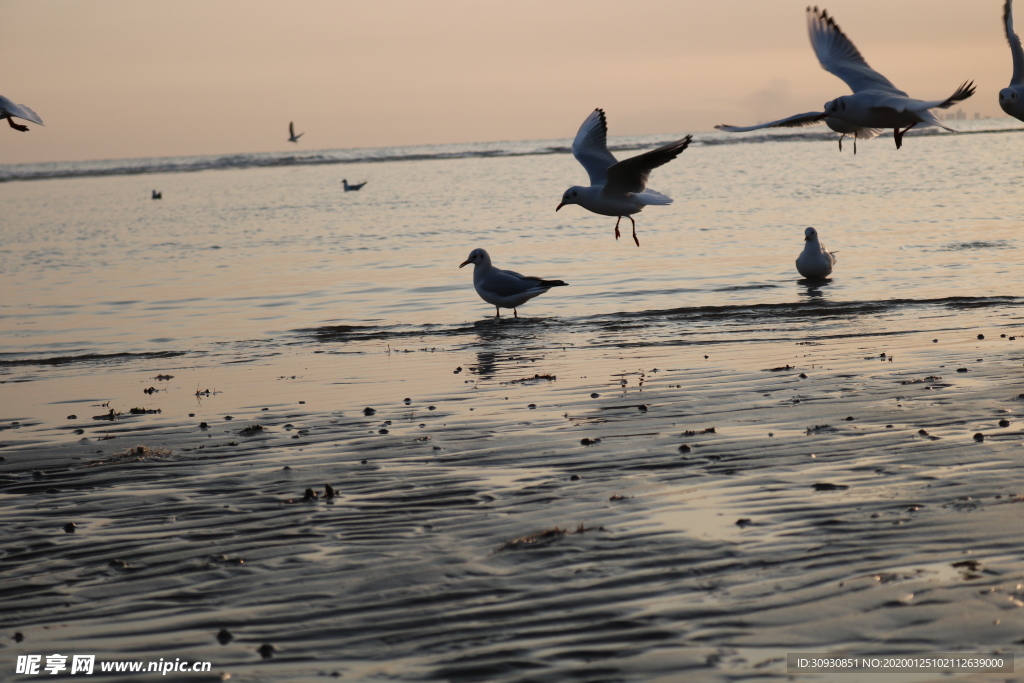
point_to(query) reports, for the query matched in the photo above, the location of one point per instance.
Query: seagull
(157, 195)
(617, 188)
(808, 119)
(9, 110)
(350, 188)
(292, 137)
(1011, 98)
(504, 288)
(875, 102)
(815, 261)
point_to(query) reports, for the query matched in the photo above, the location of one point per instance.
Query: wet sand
(717, 506)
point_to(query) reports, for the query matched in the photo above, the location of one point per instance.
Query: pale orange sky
(135, 78)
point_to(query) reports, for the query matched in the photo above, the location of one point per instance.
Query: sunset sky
(134, 78)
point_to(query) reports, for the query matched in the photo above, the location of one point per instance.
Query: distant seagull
(815, 261)
(292, 137)
(1011, 98)
(9, 110)
(504, 288)
(352, 188)
(875, 102)
(810, 118)
(157, 195)
(617, 188)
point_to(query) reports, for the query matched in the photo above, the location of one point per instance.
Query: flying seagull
(617, 188)
(815, 261)
(350, 188)
(504, 288)
(9, 110)
(292, 137)
(810, 118)
(1011, 98)
(875, 102)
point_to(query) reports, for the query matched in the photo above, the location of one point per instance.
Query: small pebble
(981, 336)
(743, 522)
(532, 406)
(224, 637)
(228, 417)
(642, 409)
(368, 411)
(979, 437)
(595, 395)
(382, 431)
(365, 461)
(301, 402)
(922, 432)
(850, 419)
(961, 369)
(407, 401)
(193, 414)
(935, 341)
(574, 477)
(802, 375)
(1004, 423)
(79, 431)
(70, 527)
(888, 426)
(72, 417)
(431, 408)
(685, 448)
(1003, 336)
(266, 650)
(18, 637)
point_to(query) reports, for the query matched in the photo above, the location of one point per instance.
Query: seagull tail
(652, 197)
(553, 283)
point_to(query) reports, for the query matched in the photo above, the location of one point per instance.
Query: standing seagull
(1011, 98)
(9, 109)
(815, 261)
(875, 102)
(504, 288)
(292, 137)
(617, 188)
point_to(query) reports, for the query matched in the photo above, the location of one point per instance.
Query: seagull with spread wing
(292, 137)
(9, 110)
(875, 102)
(808, 119)
(1011, 98)
(617, 188)
(504, 288)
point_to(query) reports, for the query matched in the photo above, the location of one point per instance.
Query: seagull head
(810, 235)
(477, 257)
(836, 107)
(571, 196)
(1007, 98)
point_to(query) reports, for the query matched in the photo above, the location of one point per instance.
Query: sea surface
(258, 292)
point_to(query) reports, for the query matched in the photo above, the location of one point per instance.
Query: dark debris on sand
(544, 538)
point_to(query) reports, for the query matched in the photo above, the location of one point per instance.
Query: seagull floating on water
(875, 102)
(815, 261)
(9, 110)
(617, 188)
(1011, 98)
(504, 288)
(292, 137)
(157, 195)
(350, 188)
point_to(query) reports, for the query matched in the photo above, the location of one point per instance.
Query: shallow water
(274, 298)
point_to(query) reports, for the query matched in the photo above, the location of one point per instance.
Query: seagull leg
(617, 228)
(898, 134)
(515, 312)
(634, 230)
(497, 312)
(841, 141)
(855, 143)
(16, 126)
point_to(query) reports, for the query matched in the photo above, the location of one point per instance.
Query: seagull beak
(464, 263)
(806, 239)
(559, 206)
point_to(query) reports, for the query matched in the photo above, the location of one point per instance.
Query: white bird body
(875, 102)
(9, 109)
(617, 188)
(504, 288)
(1011, 98)
(815, 261)
(292, 137)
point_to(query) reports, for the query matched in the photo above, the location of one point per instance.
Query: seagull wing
(795, 121)
(508, 283)
(291, 128)
(20, 110)
(1015, 48)
(630, 175)
(591, 147)
(840, 57)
